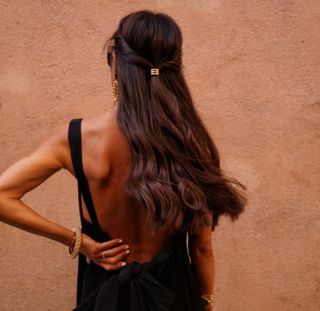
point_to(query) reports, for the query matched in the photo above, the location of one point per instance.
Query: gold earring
(114, 89)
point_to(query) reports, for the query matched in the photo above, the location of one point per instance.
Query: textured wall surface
(253, 70)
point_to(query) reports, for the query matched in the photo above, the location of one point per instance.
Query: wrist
(72, 243)
(210, 308)
(68, 237)
(75, 246)
(209, 301)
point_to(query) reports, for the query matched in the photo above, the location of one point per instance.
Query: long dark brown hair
(175, 167)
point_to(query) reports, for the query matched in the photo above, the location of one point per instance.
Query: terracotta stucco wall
(253, 69)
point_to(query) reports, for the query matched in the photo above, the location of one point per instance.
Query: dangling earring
(114, 89)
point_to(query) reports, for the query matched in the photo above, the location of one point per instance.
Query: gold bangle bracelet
(74, 249)
(209, 299)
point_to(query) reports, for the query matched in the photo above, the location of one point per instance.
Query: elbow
(9, 193)
(205, 251)
(5, 196)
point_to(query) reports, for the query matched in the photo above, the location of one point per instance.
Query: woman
(149, 180)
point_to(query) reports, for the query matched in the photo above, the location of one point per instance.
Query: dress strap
(74, 137)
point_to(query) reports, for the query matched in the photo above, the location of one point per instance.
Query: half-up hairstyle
(175, 167)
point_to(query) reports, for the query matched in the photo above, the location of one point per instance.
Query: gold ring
(104, 254)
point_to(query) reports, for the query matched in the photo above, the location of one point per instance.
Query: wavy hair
(175, 167)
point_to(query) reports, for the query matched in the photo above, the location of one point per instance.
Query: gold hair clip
(154, 71)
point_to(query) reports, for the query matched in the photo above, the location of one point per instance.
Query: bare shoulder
(100, 124)
(97, 132)
(104, 145)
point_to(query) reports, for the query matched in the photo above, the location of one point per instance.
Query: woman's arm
(202, 257)
(27, 174)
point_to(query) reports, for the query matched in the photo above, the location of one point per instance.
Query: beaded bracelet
(77, 243)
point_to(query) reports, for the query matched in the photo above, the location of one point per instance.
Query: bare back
(106, 163)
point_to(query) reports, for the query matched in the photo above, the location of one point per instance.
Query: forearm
(203, 265)
(16, 213)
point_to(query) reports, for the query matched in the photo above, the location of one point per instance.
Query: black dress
(167, 282)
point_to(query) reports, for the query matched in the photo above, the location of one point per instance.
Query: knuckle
(112, 243)
(109, 252)
(114, 249)
(119, 257)
(95, 255)
(96, 247)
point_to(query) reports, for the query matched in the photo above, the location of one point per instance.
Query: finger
(114, 251)
(108, 244)
(115, 259)
(111, 258)
(116, 266)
